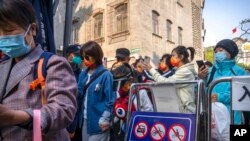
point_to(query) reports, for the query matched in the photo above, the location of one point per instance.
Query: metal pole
(210, 88)
(231, 107)
(68, 23)
(55, 4)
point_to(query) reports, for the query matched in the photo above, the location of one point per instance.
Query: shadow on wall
(82, 15)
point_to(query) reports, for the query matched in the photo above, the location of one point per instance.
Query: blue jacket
(100, 100)
(223, 90)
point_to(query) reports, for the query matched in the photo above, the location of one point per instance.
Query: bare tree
(245, 28)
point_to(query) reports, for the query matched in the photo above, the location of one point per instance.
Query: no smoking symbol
(158, 132)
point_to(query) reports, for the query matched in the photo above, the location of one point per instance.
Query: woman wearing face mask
(95, 103)
(18, 29)
(184, 72)
(165, 66)
(225, 65)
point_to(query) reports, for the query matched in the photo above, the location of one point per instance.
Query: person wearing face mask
(18, 30)
(141, 75)
(225, 65)
(74, 58)
(166, 69)
(95, 96)
(184, 72)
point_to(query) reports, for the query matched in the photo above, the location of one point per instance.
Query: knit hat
(229, 45)
(122, 52)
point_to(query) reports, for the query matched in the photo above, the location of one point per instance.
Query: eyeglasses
(87, 57)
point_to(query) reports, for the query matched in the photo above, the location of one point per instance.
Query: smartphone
(200, 63)
(146, 59)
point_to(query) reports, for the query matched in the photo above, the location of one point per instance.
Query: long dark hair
(183, 51)
(19, 12)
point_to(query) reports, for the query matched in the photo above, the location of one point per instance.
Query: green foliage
(209, 54)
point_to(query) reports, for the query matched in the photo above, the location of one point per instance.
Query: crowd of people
(85, 101)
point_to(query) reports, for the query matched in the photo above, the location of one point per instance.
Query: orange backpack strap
(40, 72)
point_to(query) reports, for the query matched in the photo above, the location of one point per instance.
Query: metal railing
(200, 101)
(209, 107)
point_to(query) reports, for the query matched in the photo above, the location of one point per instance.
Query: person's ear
(181, 57)
(34, 29)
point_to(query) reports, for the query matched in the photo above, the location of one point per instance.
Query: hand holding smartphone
(200, 63)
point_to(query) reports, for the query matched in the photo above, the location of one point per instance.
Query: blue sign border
(168, 119)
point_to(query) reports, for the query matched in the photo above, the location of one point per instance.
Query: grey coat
(61, 89)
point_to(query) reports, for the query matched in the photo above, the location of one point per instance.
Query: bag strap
(37, 133)
(231, 69)
(40, 73)
(93, 79)
(211, 75)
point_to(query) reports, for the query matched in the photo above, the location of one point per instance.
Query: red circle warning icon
(177, 132)
(141, 130)
(158, 132)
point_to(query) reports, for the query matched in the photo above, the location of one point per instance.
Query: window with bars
(169, 30)
(121, 18)
(98, 25)
(155, 22)
(180, 35)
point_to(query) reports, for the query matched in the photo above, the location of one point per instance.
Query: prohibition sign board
(158, 131)
(177, 132)
(141, 130)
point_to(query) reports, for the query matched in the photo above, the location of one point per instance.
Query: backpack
(40, 73)
(121, 103)
(121, 107)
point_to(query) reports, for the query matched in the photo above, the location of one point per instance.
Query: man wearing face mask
(18, 31)
(74, 58)
(225, 65)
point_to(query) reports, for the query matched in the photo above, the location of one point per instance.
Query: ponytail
(192, 52)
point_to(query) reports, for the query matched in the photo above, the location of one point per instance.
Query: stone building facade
(145, 27)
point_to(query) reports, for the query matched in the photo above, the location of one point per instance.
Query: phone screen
(200, 63)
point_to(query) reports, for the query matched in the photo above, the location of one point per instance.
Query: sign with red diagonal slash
(177, 132)
(158, 126)
(141, 130)
(158, 132)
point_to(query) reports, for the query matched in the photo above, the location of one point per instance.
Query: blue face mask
(14, 45)
(220, 56)
(77, 60)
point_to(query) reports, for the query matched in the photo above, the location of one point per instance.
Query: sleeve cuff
(106, 115)
(27, 124)
(44, 123)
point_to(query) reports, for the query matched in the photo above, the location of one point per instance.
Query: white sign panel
(166, 98)
(241, 94)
